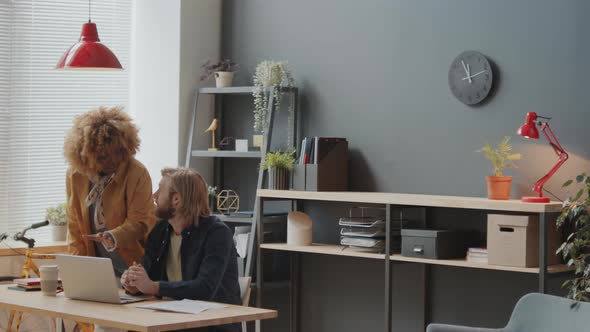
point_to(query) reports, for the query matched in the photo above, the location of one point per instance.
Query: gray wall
(376, 72)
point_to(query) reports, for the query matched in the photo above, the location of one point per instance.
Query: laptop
(91, 279)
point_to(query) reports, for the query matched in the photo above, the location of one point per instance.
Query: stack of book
(29, 284)
(477, 255)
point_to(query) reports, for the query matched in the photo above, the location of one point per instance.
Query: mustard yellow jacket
(128, 208)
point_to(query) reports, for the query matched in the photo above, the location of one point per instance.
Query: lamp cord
(89, 11)
(552, 194)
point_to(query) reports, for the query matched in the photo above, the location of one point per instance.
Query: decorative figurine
(228, 201)
(212, 128)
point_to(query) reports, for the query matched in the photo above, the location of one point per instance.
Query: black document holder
(330, 174)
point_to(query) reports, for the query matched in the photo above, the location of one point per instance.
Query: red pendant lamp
(89, 53)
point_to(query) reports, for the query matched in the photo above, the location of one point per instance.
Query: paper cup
(49, 279)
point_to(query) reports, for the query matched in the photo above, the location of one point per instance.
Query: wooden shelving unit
(546, 212)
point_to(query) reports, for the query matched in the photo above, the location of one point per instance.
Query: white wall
(200, 39)
(170, 39)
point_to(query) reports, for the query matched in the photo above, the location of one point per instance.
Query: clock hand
(465, 68)
(471, 76)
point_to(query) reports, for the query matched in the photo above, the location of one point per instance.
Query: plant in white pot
(57, 218)
(212, 196)
(222, 70)
(279, 165)
(271, 75)
(501, 158)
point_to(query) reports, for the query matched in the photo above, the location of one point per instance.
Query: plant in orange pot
(501, 157)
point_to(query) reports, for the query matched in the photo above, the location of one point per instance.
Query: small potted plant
(272, 75)
(212, 195)
(222, 70)
(501, 158)
(279, 165)
(574, 220)
(57, 218)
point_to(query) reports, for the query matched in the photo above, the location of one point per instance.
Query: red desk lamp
(529, 130)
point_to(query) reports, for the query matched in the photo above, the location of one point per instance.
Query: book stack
(29, 284)
(477, 255)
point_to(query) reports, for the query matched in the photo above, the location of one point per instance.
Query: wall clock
(470, 77)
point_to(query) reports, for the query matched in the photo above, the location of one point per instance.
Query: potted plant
(212, 195)
(270, 76)
(57, 218)
(279, 165)
(574, 220)
(222, 70)
(501, 158)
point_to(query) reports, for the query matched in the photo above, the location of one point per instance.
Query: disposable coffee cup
(49, 279)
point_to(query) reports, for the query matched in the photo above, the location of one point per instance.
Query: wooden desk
(125, 316)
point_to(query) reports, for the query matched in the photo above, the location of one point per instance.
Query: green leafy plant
(212, 191)
(210, 67)
(500, 157)
(56, 215)
(272, 75)
(574, 220)
(279, 160)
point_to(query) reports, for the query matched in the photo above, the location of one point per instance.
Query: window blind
(38, 103)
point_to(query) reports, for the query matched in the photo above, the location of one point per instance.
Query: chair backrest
(245, 289)
(547, 313)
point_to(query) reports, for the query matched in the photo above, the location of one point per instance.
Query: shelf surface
(338, 250)
(414, 200)
(326, 249)
(232, 219)
(249, 220)
(237, 90)
(226, 154)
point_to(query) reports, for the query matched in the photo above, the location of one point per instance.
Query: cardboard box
(514, 241)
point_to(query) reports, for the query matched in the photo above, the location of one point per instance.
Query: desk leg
(294, 292)
(388, 279)
(59, 326)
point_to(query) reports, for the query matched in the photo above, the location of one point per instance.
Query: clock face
(470, 77)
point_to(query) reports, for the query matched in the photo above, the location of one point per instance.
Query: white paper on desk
(184, 306)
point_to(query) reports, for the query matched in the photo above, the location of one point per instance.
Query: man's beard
(165, 212)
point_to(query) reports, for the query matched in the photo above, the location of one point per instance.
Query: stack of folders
(367, 234)
(314, 149)
(477, 255)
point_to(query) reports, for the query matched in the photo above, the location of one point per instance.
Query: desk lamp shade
(529, 130)
(89, 53)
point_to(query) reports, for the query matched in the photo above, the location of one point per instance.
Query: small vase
(499, 187)
(257, 140)
(223, 79)
(59, 232)
(278, 178)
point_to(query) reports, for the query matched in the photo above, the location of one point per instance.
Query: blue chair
(536, 313)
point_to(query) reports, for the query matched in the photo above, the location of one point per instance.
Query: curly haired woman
(110, 209)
